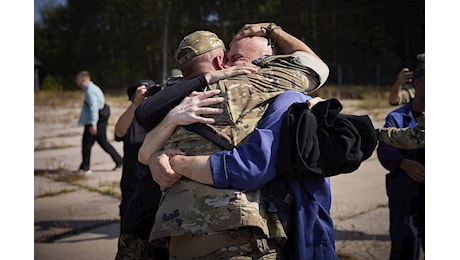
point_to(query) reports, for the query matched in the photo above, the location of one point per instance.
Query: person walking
(94, 117)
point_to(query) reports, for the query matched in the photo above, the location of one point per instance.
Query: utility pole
(407, 53)
(313, 19)
(165, 44)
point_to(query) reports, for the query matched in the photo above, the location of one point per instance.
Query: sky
(40, 3)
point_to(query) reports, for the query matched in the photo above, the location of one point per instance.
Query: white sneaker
(84, 172)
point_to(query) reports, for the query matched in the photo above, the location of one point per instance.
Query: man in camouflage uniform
(133, 240)
(193, 215)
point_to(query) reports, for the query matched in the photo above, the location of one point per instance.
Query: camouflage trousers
(131, 247)
(244, 244)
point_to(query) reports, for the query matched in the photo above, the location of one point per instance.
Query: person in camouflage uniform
(132, 243)
(247, 99)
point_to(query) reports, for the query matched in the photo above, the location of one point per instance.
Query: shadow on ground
(76, 226)
(357, 235)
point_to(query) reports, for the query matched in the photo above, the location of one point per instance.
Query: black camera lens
(152, 88)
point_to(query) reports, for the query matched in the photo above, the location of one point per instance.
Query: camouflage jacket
(192, 208)
(406, 94)
(405, 138)
(247, 97)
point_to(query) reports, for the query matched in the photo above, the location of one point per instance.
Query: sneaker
(84, 172)
(118, 166)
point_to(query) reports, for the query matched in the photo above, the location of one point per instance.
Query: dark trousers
(142, 207)
(101, 138)
(407, 216)
(130, 178)
(138, 220)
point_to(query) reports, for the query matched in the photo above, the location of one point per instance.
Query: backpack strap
(210, 134)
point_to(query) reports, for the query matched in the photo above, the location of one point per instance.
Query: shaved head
(248, 49)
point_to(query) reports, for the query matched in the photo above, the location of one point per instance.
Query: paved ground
(77, 217)
(72, 214)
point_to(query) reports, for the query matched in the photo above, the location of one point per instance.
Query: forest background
(364, 42)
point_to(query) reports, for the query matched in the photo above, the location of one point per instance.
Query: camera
(152, 88)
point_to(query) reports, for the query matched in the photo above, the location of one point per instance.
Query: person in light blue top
(94, 101)
(94, 117)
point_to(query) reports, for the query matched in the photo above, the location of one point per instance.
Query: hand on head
(249, 30)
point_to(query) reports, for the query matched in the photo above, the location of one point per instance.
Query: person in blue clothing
(94, 117)
(405, 182)
(240, 169)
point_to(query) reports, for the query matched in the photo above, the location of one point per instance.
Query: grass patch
(71, 178)
(43, 147)
(55, 193)
(72, 99)
(75, 178)
(58, 98)
(108, 192)
(370, 96)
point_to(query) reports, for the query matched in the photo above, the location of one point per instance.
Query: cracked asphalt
(76, 217)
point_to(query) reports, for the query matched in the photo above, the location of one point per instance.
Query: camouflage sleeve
(299, 71)
(406, 94)
(315, 64)
(405, 138)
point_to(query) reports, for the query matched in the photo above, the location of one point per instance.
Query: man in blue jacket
(405, 184)
(253, 164)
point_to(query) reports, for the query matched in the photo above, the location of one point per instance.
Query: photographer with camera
(403, 91)
(132, 134)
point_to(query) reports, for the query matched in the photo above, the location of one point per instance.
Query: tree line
(364, 42)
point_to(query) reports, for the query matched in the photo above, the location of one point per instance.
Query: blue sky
(39, 3)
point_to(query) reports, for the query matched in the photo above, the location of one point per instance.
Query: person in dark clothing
(405, 183)
(128, 130)
(94, 116)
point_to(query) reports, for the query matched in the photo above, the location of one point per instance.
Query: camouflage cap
(197, 43)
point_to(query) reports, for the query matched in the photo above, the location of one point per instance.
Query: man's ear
(218, 62)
